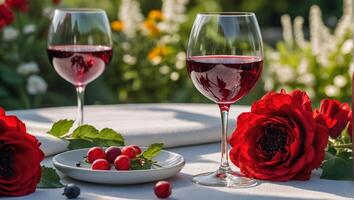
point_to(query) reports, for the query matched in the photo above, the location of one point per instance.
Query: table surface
(202, 158)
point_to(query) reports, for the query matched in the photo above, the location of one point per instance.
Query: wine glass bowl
(224, 62)
(79, 47)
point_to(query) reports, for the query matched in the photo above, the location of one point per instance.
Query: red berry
(100, 164)
(122, 162)
(136, 148)
(95, 153)
(129, 151)
(112, 153)
(163, 189)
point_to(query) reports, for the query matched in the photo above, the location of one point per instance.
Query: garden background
(308, 46)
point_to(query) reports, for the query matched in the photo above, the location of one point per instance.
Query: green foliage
(145, 159)
(61, 127)
(85, 136)
(49, 178)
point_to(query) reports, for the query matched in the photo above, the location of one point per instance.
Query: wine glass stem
(80, 91)
(224, 164)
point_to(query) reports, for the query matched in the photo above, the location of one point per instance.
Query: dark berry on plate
(71, 191)
(129, 151)
(95, 153)
(136, 148)
(101, 164)
(78, 164)
(163, 189)
(112, 153)
(122, 162)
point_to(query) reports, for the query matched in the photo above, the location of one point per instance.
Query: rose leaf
(80, 143)
(61, 127)
(49, 179)
(85, 132)
(337, 168)
(111, 136)
(152, 151)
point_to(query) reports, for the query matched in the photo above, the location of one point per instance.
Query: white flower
(130, 60)
(174, 14)
(285, 73)
(303, 66)
(28, 68)
(36, 85)
(332, 91)
(268, 84)
(180, 64)
(347, 47)
(181, 55)
(29, 28)
(9, 33)
(48, 12)
(174, 76)
(164, 69)
(130, 15)
(340, 81)
(287, 30)
(307, 79)
(298, 32)
(351, 69)
(126, 45)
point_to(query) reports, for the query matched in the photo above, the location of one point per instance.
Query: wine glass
(79, 48)
(224, 61)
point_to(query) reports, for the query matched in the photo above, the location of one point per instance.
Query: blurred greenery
(121, 82)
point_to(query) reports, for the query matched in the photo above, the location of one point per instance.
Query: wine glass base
(224, 179)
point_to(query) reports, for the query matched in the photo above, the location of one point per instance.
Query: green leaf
(152, 151)
(80, 143)
(106, 137)
(61, 127)
(337, 168)
(140, 164)
(49, 179)
(85, 132)
(111, 135)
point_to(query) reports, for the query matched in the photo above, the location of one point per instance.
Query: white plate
(171, 163)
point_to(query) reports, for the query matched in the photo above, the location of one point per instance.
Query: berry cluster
(101, 159)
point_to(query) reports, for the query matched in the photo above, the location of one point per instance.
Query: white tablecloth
(198, 119)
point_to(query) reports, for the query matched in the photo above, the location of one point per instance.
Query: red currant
(163, 189)
(100, 164)
(112, 153)
(129, 151)
(122, 162)
(95, 153)
(136, 148)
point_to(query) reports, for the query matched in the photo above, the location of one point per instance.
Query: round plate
(171, 163)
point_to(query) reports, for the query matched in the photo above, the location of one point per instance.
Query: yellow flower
(158, 52)
(117, 25)
(155, 15)
(150, 25)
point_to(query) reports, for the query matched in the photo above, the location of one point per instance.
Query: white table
(199, 158)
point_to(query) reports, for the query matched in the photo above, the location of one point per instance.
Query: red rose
(279, 139)
(6, 16)
(336, 116)
(21, 5)
(20, 158)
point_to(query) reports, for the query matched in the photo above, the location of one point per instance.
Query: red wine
(224, 79)
(79, 64)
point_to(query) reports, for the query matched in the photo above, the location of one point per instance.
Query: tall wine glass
(79, 48)
(224, 61)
